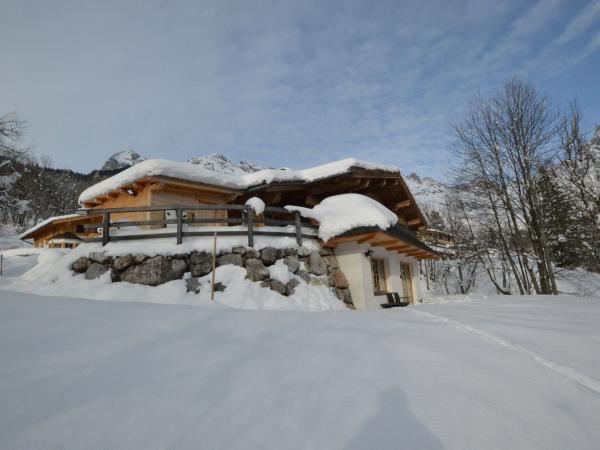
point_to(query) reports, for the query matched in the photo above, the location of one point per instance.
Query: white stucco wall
(357, 268)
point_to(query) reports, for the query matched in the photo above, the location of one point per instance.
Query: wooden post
(105, 228)
(250, 223)
(214, 266)
(298, 228)
(179, 213)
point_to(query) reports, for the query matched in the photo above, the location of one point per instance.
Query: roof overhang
(41, 230)
(397, 238)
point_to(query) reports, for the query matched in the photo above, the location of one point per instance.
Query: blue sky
(281, 83)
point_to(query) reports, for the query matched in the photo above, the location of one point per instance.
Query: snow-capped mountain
(219, 163)
(428, 192)
(122, 160)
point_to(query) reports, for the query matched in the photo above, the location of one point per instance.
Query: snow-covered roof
(340, 213)
(194, 173)
(43, 223)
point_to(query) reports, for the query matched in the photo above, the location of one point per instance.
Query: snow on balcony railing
(178, 223)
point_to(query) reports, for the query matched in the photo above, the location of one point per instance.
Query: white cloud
(585, 18)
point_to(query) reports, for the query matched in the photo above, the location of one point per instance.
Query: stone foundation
(314, 267)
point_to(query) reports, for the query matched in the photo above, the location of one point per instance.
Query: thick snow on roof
(43, 223)
(340, 213)
(192, 172)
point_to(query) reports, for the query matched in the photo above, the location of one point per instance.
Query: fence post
(105, 228)
(298, 227)
(250, 224)
(179, 212)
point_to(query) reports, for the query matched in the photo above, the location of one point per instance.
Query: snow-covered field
(469, 373)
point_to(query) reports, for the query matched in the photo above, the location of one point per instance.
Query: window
(378, 273)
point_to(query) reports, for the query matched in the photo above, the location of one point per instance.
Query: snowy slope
(488, 374)
(428, 192)
(219, 163)
(122, 160)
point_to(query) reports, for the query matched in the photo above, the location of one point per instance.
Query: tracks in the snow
(562, 370)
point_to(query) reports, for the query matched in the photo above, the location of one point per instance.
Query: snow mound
(256, 204)
(121, 160)
(340, 213)
(52, 276)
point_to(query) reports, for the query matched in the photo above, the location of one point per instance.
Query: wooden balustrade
(247, 219)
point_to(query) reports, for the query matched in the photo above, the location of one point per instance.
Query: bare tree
(503, 142)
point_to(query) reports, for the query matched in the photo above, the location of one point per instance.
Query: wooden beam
(273, 197)
(325, 188)
(384, 243)
(366, 238)
(139, 185)
(416, 221)
(403, 204)
(311, 200)
(398, 247)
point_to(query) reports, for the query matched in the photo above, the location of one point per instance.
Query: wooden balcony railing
(272, 217)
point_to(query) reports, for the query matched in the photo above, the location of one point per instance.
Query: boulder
(192, 285)
(268, 255)
(332, 262)
(339, 279)
(319, 280)
(255, 270)
(303, 251)
(178, 268)
(219, 287)
(251, 254)
(81, 264)
(316, 264)
(123, 262)
(325, 251)
(229, 258)
(239, 250)
(95, 270)
(344, 295)
(100, 257)
(292, 262)
(153, 271)
(304, 275)
(200, 264)
(138, 257)
(290, 286)
(278, 286)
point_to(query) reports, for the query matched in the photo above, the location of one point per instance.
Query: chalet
(159, 199)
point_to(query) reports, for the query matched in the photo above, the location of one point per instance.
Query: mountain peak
(123, 160)
(219, 163)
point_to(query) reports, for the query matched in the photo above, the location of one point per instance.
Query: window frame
(379, 275)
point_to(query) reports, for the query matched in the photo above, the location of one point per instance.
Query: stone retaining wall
(314, 267)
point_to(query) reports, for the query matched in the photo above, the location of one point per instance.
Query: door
(407, 290)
